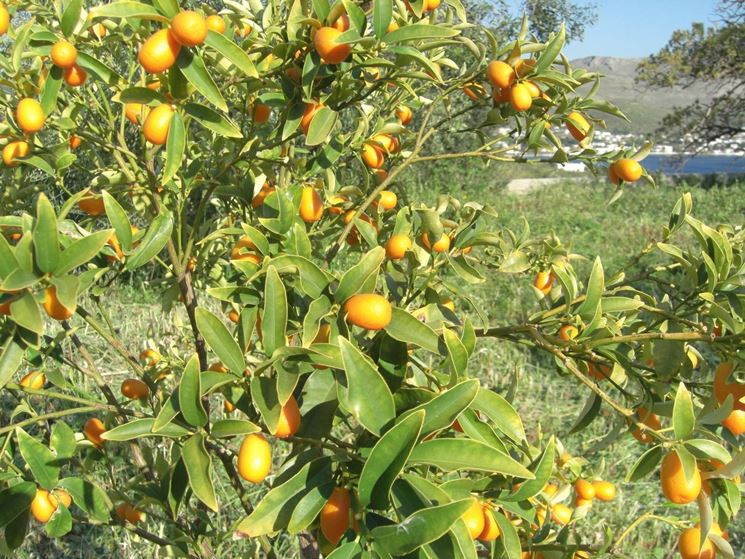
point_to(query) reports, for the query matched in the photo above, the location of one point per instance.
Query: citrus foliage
(250, 158)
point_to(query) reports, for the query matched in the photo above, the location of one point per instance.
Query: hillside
(644, 106)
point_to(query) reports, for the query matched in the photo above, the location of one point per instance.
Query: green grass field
(548, 402)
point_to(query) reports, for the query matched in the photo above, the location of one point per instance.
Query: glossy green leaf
(552, 50)
(367, 395)
(457, 353)
(705, 449)
(274, 319)
(213, 120)
(321, 126)
(684, 419)
(60, 523)
(233, 427)
(127, 10)
(138, 428)
(595, 288)
(509, 539)
(404, 327)
(274, 511)
(444, 409)
(198, 464)
(51, 89)
(386, 461)
(542, 472)
(190, 394)
(89, 497)
(175, 147)
(25, 312)
(46, 242)
(11, 357)
(194, 70)
(501, 413)
(646, 464)
(465, 454)
(266, 400)
(98, 69)
(309, 506)
(357, 276)
(382, 12)
(119, 220)
(14, 500)
(232, 52)
(62, 440)
(40, 460)
(70, 17)
(418, 32)
(167, 414)
(153, 242)
(81, 251)
(419, 528)
(220, 341)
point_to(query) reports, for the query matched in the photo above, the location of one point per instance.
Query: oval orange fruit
(254, 458)
(675, 486)
(159, 52)
(63, 54)
(157, 124)
(29, 115)
(396, 247)
(189, 28)
(327, 47)
(289, 419)
(368, 310)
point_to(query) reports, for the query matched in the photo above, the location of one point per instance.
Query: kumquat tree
(314, 395)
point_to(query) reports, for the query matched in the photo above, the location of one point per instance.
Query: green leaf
(645, 465)
(167, 414)
(359, 275)
(313, 280)
(199, 468)
(683, 417)
(386, 461)
(81, 251)
(46, 243)
(142, 95)
(274, 511)
(404, 327)
(169, 8)
(40, 460)
(11, 357)
(274, 319)
(153, 242)
(704, 449)
(382, 12)
(220, 341)
(25, 312)
(457, 353)
(138, 428)
(367, 396)
(543, 471)
(14, 500)
(501, 413)
(190, 394)
(465, 454)
(60, 523)
(418, 32)
(194, 70)
(321, 126)
(588, 414)
(595, 288)
(213, 120)
(444, 409)
(89, 497)
(70, 17)
(119, 220)
(175, 146)
(62, 440)
(233, 427)
(266, 400)
(309, 506)
(127, 10)
(17, 529)
(98, 69)
(552, 50)
(420, 528)
(509, 539)
(237, 56)
(51, 90)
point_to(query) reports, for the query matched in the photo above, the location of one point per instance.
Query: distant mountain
(644, 106)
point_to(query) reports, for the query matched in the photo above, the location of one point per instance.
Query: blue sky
(636, 28)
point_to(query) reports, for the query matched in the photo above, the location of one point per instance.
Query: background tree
(713, 55)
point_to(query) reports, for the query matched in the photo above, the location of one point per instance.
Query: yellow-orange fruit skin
(29, 115)
(568, 332)
(135, 112)
(500, 74)
(310, 111)
(75, 76)
(54, 308)
(159, 52)
(311, 205)
(689, 543)
(254, 458)
(387, 200)
(189, 28)
(4, 19)
(334, 516)
(396, 247)
(543, 282)
(92, 204)
(674, 485)
(604, 490)
(442, 244)
(289, 419)
(216, 23)
(157, 124)
(577, 125)
(491, 528)
(404, 114)
(93, 429)
(260, 113)
(325, 43)
(13, 150)
(43, 505)
(612, 176)
(474, 519)
(134, 389)
(735, 422)
(584, 489)
(372, 156)
(63, 54)
(627, 170)
(561, 514)
(34, 380)
(520, 97)
(368, 310)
